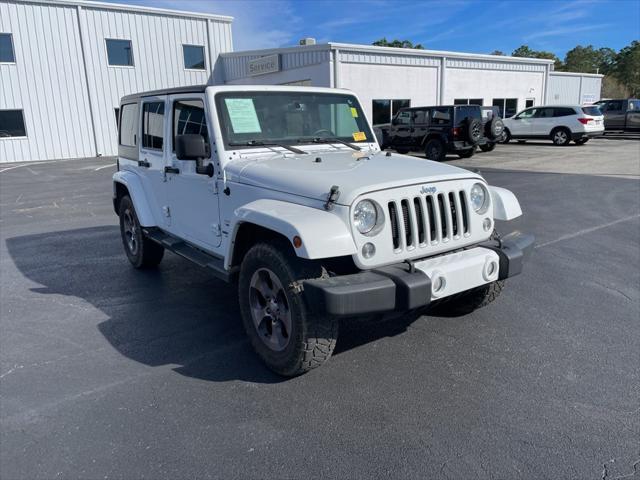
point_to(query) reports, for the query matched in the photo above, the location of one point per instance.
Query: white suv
(285, 192)
(559, 123)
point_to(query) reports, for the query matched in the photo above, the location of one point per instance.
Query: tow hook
(334, 193)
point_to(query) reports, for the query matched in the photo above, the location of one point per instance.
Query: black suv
(439, 130)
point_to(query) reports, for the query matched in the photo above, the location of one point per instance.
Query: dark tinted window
(381, 111)
(152, 125)
(529, 113)
(593, 111)
(440, 116)
(398, 104)
(462, 113)
(193, 57)
(511, 107)
(119, 52)
(403, 118)
(129, 125)
(189, 117)
(563, 112)
(421, 117)
(6, 48)
(460, 101)
(12, 124)
(117, 112)
(614, 105)
(528, 103)
(475, 101)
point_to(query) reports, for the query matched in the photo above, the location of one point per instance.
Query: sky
(476, 26)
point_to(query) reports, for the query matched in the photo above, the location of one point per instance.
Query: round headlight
(479, 198)
(365, 216)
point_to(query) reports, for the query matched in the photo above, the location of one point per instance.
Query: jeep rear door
(402, 129)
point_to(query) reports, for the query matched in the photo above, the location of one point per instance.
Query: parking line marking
(104, 166)
(587, 230)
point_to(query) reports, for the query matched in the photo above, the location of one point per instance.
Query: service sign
(262, 65)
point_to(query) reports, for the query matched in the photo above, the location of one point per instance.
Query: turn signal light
(584, 121)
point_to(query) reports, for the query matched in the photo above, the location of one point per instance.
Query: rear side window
(563, 112)
(153, 125)
(593, 111)
(189, 118)
(614, 105)
(421, 117)
(462, 113)
(440, 116)
(128, 124)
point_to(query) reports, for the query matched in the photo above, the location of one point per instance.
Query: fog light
(486, 224)
(438, 284)
(368, 250)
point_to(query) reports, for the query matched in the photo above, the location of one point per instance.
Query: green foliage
(497, 52)
(627, 67)
(383, 42)
(589, 60)
(525, 51)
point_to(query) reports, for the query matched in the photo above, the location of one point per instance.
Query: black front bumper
(400, 287)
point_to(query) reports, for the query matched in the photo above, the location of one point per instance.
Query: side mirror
(190, 147)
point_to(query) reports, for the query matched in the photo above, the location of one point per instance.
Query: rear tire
(467, 153)
(402, 151)
(581, 141)
(522, 141)
(488, 147)
(141, 252)
(505, 137)
(434, 149)
(286, 334)
(561, 136)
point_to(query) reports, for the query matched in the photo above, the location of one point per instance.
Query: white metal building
(64, 65)
(386, 79)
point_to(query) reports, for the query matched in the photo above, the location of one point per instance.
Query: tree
(589, 60)
(627, 67)
(497, 52)
(383, 42)
(525, 51)
(613, 88)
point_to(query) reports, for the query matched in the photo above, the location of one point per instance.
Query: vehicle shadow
(177, 314)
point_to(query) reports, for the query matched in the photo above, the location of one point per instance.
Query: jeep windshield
(253, 119)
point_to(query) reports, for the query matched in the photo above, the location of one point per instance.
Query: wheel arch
(434, 135)
(128, 183)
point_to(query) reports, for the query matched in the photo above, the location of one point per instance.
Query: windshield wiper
(258, 143)
(329, 140)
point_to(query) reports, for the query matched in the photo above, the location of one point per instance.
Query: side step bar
(182, 248)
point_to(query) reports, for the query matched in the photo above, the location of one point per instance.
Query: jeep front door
(193, 196)
(402, 129)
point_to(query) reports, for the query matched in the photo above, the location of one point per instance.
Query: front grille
(428, 220)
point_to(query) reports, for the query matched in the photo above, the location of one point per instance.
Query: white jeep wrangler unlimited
(285, 191)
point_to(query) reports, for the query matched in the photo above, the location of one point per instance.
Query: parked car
(621, 114)
(558, 123)
(284, 192)
(438, 130)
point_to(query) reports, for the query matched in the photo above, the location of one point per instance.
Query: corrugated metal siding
(355, 56)
(157, 42)
(47, 82)
(235, 66)
(494, 65)
(591, 89)
(563, 90)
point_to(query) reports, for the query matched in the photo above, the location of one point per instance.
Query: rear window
(128, 124)
(593, 111)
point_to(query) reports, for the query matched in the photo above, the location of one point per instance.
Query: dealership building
(65, 64)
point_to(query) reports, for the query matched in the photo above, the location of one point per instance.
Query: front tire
(488, 147)
(561, 137)
(141, 252)
(288, 337)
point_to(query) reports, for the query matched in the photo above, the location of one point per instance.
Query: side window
(529, 113)
(634, 105)
(403, 118)
(381, 111)
(546, 112)
(189, 117)
(564, 112)
(193, 57)
(440, 116)
(396, 105)
(12, 124)
(153, 125)
(119, 52)
(7, 54)
(510, 107)
(129, 125)
(614, 105)
(421, 117)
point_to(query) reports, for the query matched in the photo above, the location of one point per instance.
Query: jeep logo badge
(427, 190)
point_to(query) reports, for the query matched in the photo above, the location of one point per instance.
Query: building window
(152, 125)
(6, 48)
(468, 101)
(508, 106)
(193, 57)
(12, 124)
(189, 117)
(129, 125)
(528, 103)
(119, 52)
(384, 110)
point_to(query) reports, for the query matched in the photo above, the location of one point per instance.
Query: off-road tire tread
(150, 253)
(317, 346)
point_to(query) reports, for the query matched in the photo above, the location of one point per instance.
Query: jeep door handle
(144, 163)
(171, 170)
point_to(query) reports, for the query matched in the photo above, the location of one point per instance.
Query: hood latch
(334, 193)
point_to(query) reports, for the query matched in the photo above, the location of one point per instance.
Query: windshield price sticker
(242, 113)
(359, 136)
(354, 112)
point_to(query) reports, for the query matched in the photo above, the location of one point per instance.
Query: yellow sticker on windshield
(354, 112)
(359, 136)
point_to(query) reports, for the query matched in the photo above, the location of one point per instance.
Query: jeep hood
(355, 173)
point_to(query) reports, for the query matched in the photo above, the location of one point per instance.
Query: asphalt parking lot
(107, 372)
